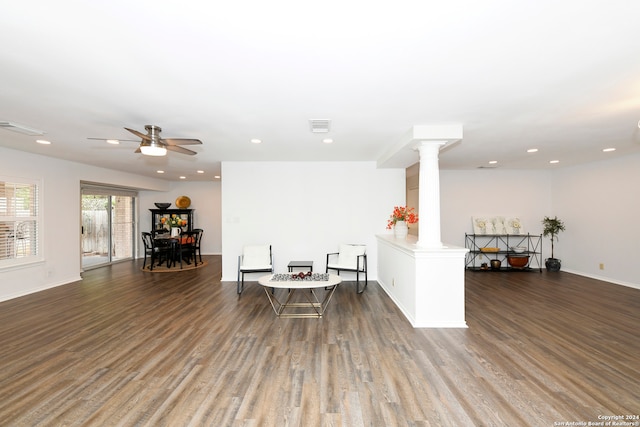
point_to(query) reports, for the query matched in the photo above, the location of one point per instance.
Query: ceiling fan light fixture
(153, 149)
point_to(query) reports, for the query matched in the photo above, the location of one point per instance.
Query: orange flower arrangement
(174, 221)
(402, 213)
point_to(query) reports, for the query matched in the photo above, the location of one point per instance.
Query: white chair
(350, 258)
(254, 259)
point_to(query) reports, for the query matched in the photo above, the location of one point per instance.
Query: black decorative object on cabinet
(157, 214)
(484, 248)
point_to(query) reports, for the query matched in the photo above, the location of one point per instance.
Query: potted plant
(552, 227)
(400, 219)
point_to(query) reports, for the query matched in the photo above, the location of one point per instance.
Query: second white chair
(350, 258)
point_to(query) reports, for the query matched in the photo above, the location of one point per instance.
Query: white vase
(175, 231)
(400, 230)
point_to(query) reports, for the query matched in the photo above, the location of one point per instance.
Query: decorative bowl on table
(518, 261)
(162, 205)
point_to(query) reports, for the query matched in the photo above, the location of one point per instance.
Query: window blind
(19, 221)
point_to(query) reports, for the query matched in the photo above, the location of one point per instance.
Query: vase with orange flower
(400, 219)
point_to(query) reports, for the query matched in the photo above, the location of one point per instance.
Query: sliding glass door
(108, 225)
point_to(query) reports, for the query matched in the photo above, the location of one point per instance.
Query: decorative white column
(429, 194)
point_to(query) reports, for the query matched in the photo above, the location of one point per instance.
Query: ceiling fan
(153, 145)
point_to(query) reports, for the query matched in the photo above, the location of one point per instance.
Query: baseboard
(39, 289)
(604, 279)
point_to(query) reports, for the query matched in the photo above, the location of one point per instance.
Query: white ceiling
(560, 76)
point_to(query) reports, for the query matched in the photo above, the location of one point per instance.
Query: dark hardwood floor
(124, 347)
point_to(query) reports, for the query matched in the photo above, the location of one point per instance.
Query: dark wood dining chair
(186, 247)
(155, 250)
(199, 232)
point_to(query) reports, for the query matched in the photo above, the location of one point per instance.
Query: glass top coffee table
(310, 285)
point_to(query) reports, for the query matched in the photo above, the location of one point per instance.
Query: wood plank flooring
(127, 348)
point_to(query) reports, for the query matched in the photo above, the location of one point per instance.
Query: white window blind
(19, 221)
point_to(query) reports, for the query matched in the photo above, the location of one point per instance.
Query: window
(19, 221)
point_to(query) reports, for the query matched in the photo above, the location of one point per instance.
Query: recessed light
(554, 161)
(608, 150)
(532, 150)
(200, 171)
(43, 141)
(183, 177)
(493, 162)
(256, 141)
(327, 141)
(160, 171)
(217, 176)
(113, 141)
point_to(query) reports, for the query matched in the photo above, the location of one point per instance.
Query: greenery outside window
(20, 221)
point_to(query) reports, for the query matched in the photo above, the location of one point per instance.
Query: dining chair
(186, 247)
(199, 232)
(154, 249)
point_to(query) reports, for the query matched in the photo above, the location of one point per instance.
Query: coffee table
(312, 307)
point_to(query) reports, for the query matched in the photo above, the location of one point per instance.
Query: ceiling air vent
(319, 125)
(15, 127)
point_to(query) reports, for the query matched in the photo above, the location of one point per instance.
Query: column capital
(429, 143)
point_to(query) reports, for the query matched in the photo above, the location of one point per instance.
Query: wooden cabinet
(157, 214)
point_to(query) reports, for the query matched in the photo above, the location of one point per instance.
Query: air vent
(15, 127)
(319, 125)
(487, 167)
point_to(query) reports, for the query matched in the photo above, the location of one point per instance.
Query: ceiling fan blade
(140, 134)
(115, 139)
(179, 149)
(180, 141)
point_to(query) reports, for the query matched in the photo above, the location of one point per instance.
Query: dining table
(175, 247)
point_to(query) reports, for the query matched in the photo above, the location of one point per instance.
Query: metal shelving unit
(477, 255)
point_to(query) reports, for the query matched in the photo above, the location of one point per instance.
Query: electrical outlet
(601, 266)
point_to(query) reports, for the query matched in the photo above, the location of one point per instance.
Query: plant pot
(495, 264)
(552, 264)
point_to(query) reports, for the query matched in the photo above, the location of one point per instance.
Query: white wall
(600, 204)
(205, 200)
(61, 212)
(305, 210)
(464, 194)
